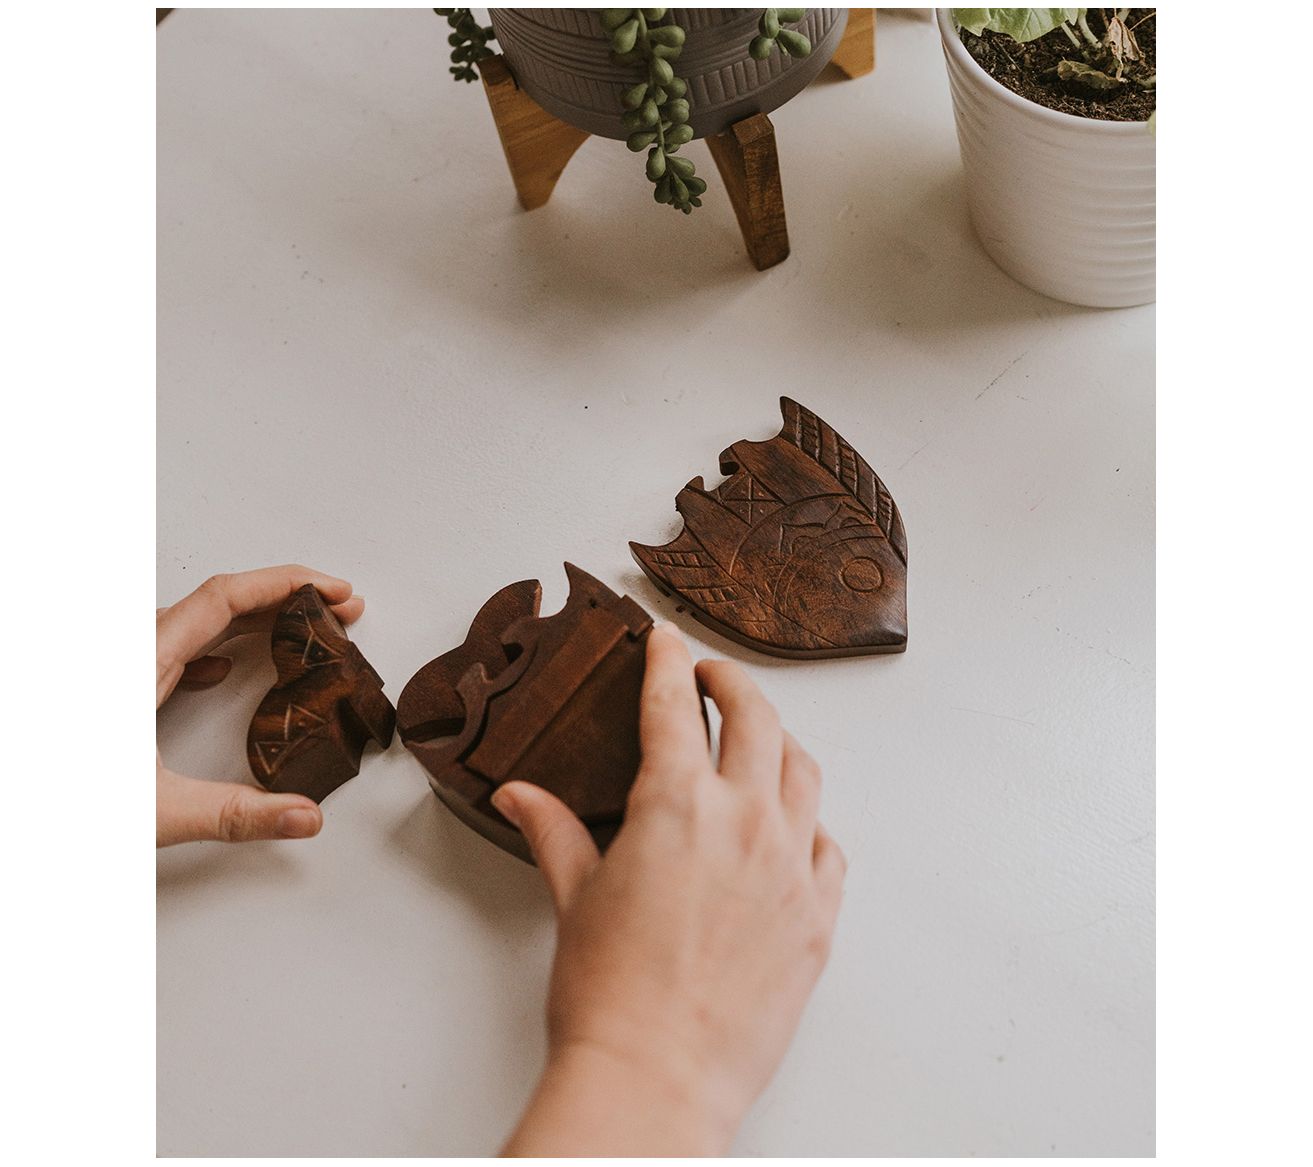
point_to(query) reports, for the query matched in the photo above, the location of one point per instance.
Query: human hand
(685, 956)
(226, 606)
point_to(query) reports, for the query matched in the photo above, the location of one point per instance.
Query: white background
(372, 361)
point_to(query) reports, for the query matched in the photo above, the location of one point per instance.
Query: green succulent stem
(771, 32)
(468, 40)
(657, 108)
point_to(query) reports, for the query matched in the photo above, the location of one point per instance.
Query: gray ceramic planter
(561, 57)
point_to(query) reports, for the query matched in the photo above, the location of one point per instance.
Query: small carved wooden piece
(800, 553)
(537, 144)
(550, 700)
(855, 56)
(312, 726)
(749, 166)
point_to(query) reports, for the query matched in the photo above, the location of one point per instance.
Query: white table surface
(371, 361)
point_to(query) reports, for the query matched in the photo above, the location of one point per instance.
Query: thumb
(561, 844)
(190, 809)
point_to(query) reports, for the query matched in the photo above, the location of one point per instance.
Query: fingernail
(298, 823)
(504, 801)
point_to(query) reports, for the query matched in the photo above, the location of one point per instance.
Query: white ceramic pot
(1063, 204)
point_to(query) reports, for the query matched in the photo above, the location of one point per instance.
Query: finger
(829, 865)
(751, 740)
(205, 672)
(671, 730)
(561, 844)
(189, 810)
(184, 630)
(800, 787)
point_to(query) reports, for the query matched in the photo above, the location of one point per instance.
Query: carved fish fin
(685, 566)
(826, 447)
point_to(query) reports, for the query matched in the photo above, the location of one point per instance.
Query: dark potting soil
(1030, 70)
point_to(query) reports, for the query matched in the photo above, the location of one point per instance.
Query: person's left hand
(189, 809)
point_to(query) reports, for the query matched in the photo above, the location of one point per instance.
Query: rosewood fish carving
(550, 700)
(799, 553)
(310, 730)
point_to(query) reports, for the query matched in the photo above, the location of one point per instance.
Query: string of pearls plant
(656, 107)
(468, 40)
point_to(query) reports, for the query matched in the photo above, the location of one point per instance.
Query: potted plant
(1054, 110)
(655, 78)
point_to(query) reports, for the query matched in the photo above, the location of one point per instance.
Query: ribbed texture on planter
(561, 57)
(1064, 204)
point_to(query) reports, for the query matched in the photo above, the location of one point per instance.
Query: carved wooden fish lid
(799, 553)
(310, 730)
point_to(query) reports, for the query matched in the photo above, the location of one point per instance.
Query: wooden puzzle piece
(310, 730)
(550, 700)
(799, 553)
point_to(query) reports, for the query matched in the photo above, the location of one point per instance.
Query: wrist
(593, 1100)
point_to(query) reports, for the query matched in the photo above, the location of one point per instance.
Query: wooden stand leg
(537, 144)
(750, 169)
(855, 55)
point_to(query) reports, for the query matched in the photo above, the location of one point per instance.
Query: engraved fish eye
(862, 575)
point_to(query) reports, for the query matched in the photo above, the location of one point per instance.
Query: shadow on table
(506, 892)
(192, 867)
(892, 256)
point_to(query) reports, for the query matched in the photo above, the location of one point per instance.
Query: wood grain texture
(855, 56)
(799, 553)
(537, 144)
(749, 166)
(311, 729)
(550, 700)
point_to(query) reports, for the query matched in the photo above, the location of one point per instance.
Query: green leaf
(613, 18)
(670, 35)
(1021, 24)
(769, 24)
(696, 186)
(676, 110)
(633, 119)
(662, 73)
(662, 190)
(676, 87)
(625, 37)
(794, 43)
(656, 164)
(654, 14)
(678, 135)
(683, 167)
(791, 15)
(649, 113)
(760, 47)
(1083, 74)
(633, 98)
(666, 52)
(641, 140)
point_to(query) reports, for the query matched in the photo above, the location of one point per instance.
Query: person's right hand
(685, 956)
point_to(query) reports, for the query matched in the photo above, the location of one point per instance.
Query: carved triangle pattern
(317, 653)
(271, 753)
(746, 498)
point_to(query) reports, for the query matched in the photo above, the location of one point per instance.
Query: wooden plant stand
(539, 145)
